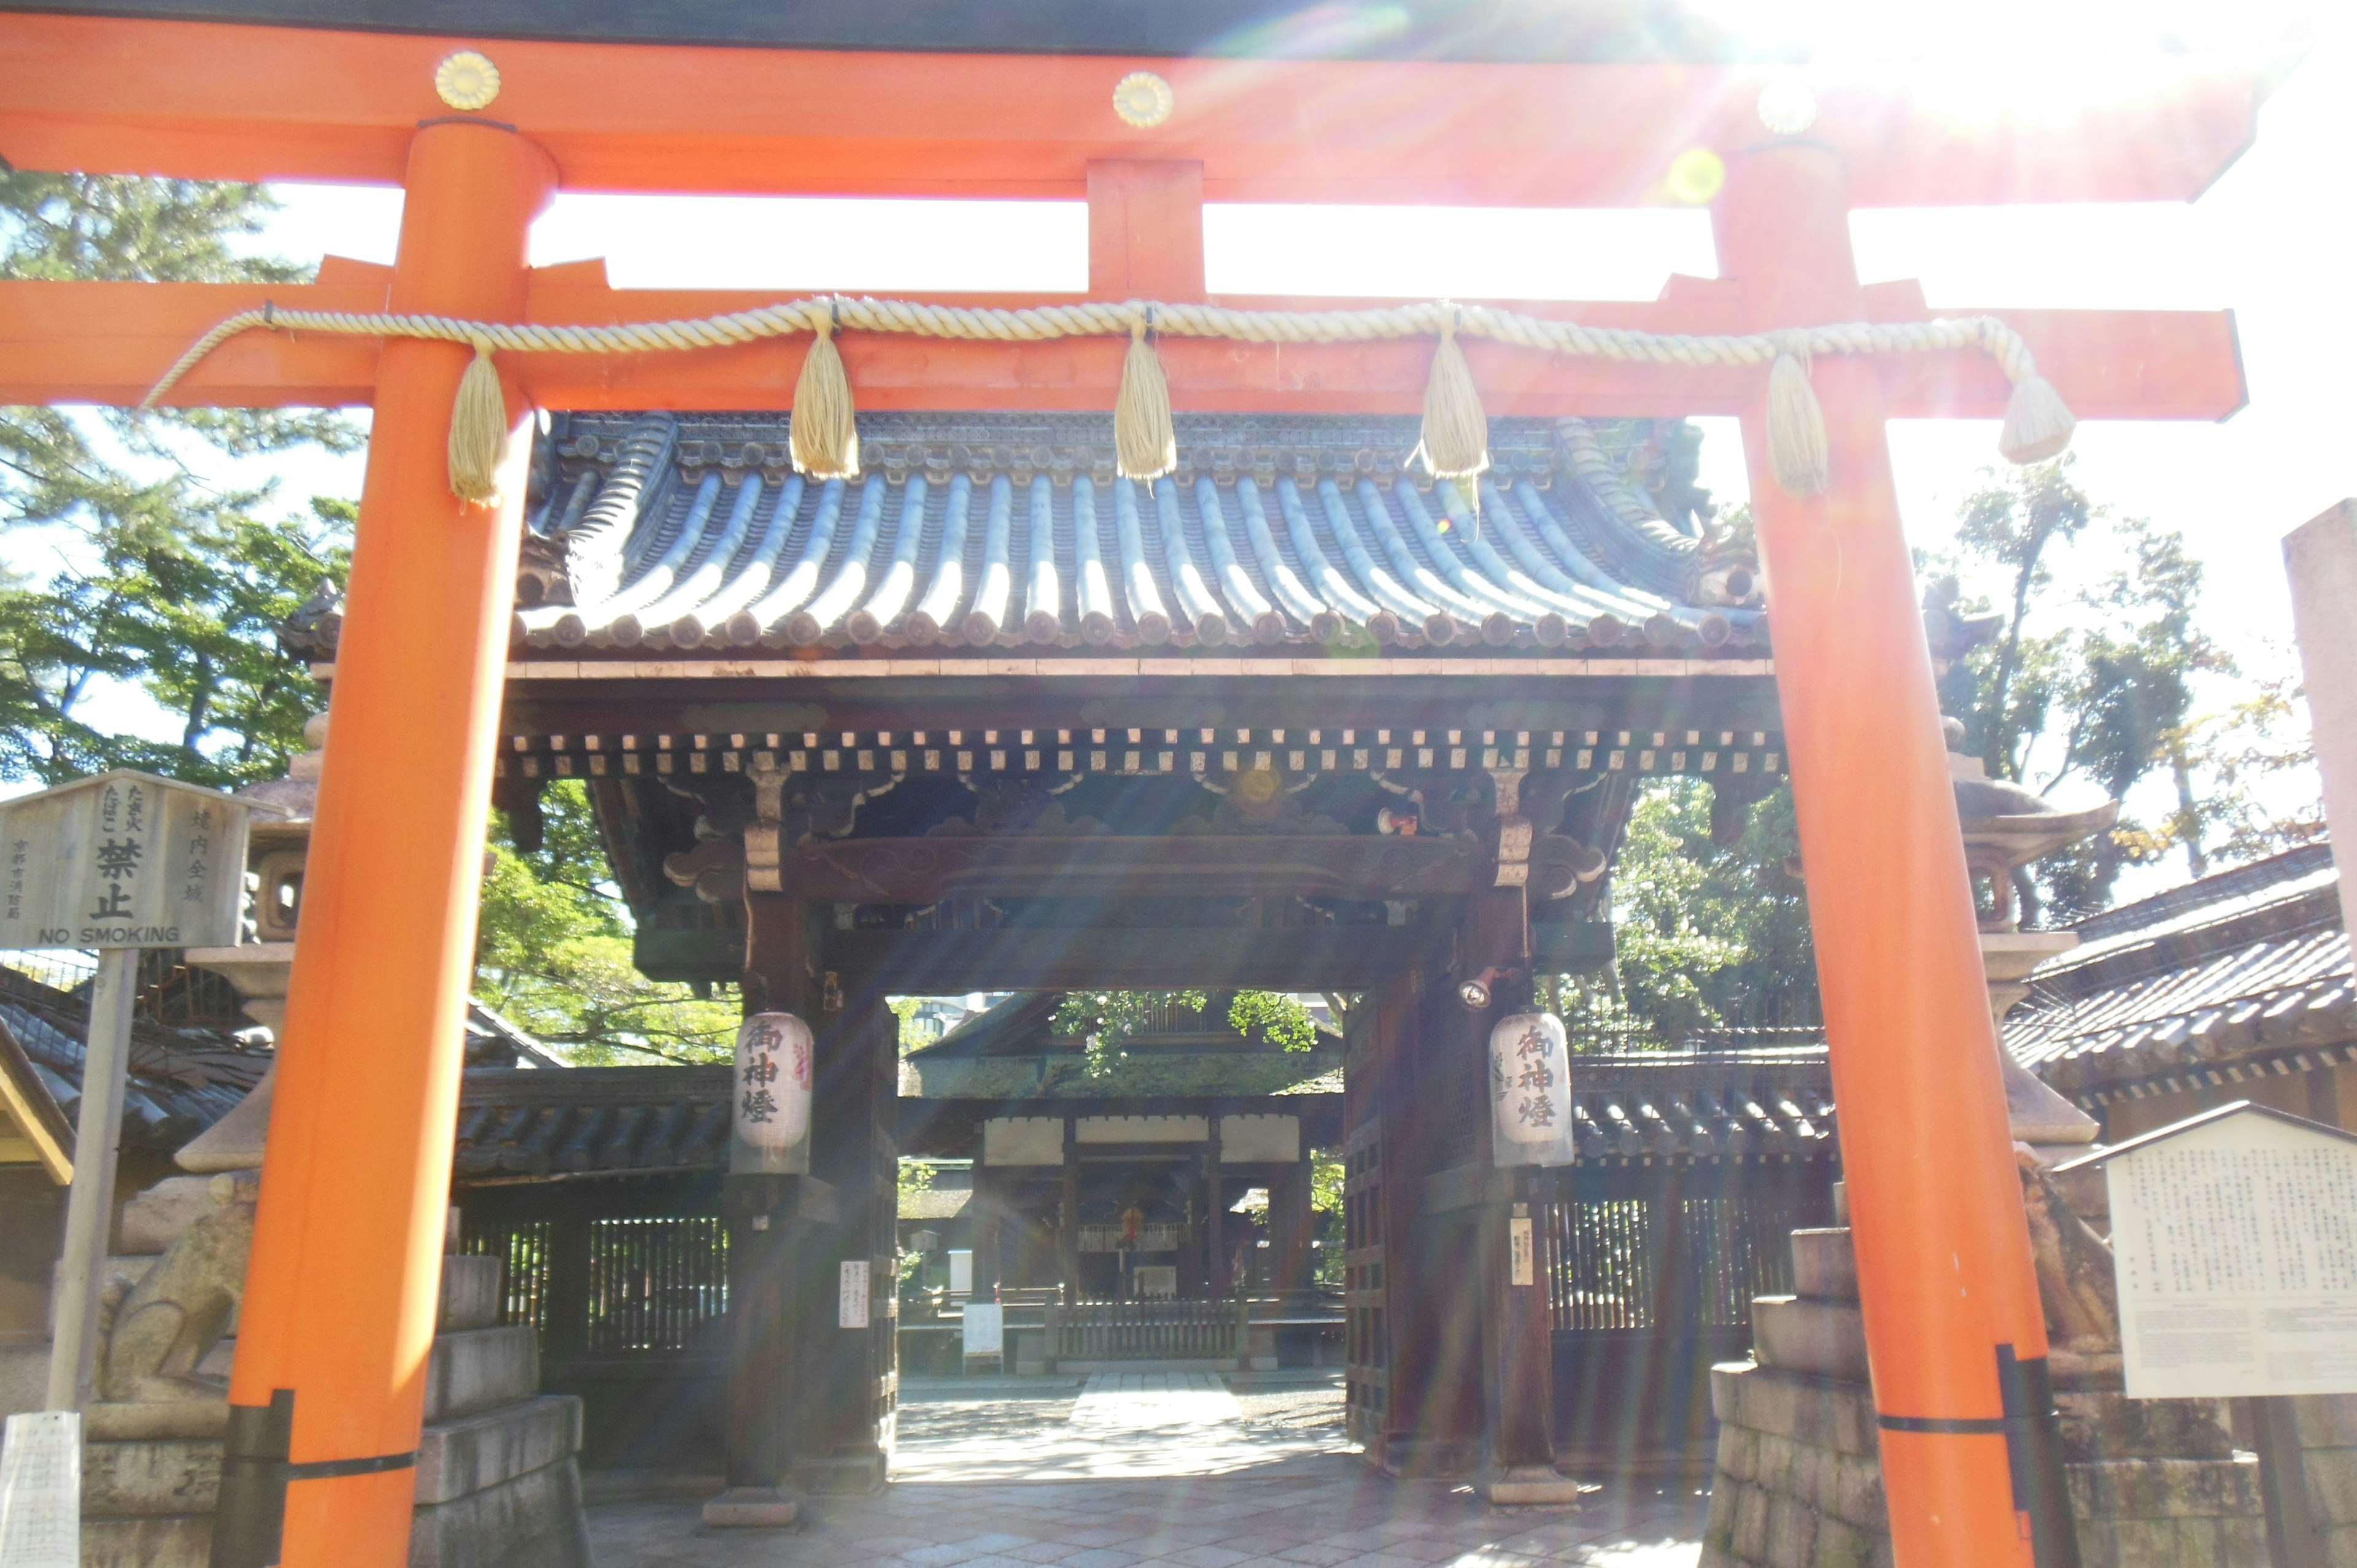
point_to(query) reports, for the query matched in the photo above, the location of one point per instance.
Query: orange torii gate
(342, 1293)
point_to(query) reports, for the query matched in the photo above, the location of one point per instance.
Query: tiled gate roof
(2242, 974)
(988, 531)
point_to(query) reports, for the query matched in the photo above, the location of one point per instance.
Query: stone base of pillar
(844, 1474)
(1527, 1487)
(752, 1508)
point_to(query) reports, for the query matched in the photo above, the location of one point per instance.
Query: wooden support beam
(923, 871)
(1146, 230)
(110, 342)
(212, 101)
(1032, 957)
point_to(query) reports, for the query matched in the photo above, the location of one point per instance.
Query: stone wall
(2327, 1436)
(1799, 1482)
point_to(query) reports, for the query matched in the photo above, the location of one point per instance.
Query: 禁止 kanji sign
(122, 860)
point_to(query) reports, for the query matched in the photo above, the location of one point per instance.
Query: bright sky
(2271, 240)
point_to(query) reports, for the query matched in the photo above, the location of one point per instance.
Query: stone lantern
(2006, 827)
(259, 968)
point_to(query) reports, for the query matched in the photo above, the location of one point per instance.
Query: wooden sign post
(2234, 1244)
(119, 862)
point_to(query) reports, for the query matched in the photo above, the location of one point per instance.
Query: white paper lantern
(1530, 1091)
(773, 1081)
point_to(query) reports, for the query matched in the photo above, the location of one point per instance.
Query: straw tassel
(1796, 429)
(823, 434)
(2037, 423)
(1144, 445)
(479, 430)
(1455, 444)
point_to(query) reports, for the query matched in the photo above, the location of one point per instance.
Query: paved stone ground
(1190, 1470)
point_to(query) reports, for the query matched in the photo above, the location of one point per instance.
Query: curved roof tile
(686, 532)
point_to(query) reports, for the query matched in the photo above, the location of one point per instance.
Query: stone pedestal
(2155, 1484)
(497, 1485)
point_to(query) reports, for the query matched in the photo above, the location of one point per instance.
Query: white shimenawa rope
(2036, 423)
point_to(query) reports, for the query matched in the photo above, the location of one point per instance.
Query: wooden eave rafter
(40, 1133)
(212, 101)
(110, 342)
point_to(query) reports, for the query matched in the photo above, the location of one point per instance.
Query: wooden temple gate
(938, 753)
(784, 739)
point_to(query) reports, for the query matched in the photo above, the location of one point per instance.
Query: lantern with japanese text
(1530, 1091)
(773, 1108)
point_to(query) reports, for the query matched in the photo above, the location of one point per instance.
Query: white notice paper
(2235, 1246)
(41, 1491)
(1522, 1250)
(851, 1296)
(986, 1329)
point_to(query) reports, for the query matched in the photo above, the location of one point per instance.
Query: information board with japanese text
(2235, 1243)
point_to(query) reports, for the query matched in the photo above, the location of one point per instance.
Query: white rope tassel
(1145, 444)
(479, 430)
(1796, 428)
(1455, 444)
(2038, 422)
(823, 435)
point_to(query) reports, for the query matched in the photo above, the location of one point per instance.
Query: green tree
(1706, 935)
(163, 580)
(2084, 684)
(1108, 1018)
(553, 951)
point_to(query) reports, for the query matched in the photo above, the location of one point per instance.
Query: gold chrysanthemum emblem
(1143, 100)
(466, 81)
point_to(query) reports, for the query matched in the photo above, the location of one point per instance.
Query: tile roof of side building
(659, 531)
(2240, 974)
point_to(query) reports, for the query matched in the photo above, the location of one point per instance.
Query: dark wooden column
(985, 1211)
(1517, 1315)
(1068, 1218)
(760, 1212)
(842, 1422)
(1215, 1219)
(1432, 1421)
(1291, 1227)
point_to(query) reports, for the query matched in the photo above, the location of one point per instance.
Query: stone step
(471, 1293)
(1802, 1335)
(462, 1457)
(1795, 1405)
(478, 1368)
(2166, 1488)
(158, 1477)
(162, 1479)
(180, 1541)
(533, 1520)
(2101, 1423)
(1825, 1265)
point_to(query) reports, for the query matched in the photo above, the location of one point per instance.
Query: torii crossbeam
(341, 1292)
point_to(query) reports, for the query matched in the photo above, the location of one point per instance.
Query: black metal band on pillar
(2033, 1445)
(252, 1515)
(1949, 1426)
(328, 1469)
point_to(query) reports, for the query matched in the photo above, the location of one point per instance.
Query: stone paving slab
(1149, 1471)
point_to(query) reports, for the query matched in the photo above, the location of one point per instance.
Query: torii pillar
(1954, 1334)
(379, 993)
